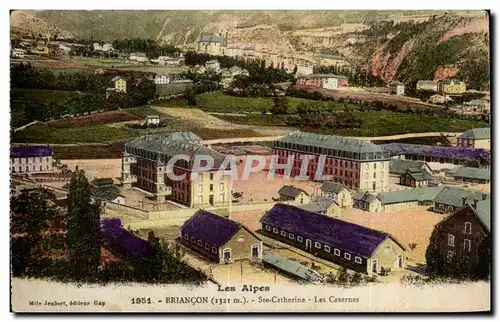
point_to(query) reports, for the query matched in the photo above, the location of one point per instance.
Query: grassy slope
(219, 102)
(375, 123)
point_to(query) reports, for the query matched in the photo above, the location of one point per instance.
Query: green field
(44, 133)
(375, 123)
(219, 102)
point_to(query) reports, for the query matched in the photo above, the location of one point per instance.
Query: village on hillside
(93, 158)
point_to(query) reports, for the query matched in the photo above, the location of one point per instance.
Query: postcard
(250, 161)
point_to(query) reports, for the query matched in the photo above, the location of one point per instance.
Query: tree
(142, 93)
(84, 232)
(191, 99)
(31, 214)
(280, 105)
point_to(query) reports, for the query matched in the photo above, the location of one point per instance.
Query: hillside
(403, 45)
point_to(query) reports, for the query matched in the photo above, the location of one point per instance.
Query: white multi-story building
(31, 159)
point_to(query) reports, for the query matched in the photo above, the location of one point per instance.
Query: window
(283, 233)
(317, 245)
(450, 208)
(186, 236)
(449, 256)
(200, 188)
(200, 199)
(193, 240)
(358, 260)
(451, 240)
(214, 250)
(207, 246)
(200, 243)
(468, 228)
(299, 239)
(268, 227)
(441, 206)
(387, 248)
(241, 239)
(327, 248)
(347, 256)
(211, 187)
(291, 236)
(221, 187)
(211, 176)
(467, 244)
(275, 230)
(336, 252)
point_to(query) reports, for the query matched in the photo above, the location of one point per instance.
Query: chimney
(475, 203)
(464, 200)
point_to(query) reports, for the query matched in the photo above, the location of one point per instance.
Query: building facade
(451, 87)
(352, 246)
(460, 243)
(397, 88)
(31, 159)
(337, 192)
(212, 44)
(356, 164)
(161, 79)
(291, 193)
(415, 177)
(326, 81)
(367, 202)
(120, 84)
(144, 165)
(427, 85)
(478, 138)
(152, 120)
(220, 239)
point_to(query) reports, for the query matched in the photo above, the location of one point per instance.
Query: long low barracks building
(355, 247)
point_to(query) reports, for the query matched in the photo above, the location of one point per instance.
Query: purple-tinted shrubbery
(117, 237)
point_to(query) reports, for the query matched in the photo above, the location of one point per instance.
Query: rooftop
(419, 174)
(364, 196)
(333, 187)
(291, 267)
(472, 173)
(291, 191)
(332, 142)
(483, 211)
(482, 133)
(454, 196)
(417, 194)
(213, 38)
(210, 228)
(322, 76)
(399, 166)
(30, 151)
(352, 238)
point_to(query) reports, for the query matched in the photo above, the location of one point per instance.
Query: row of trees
(34, 225)
(151, 48)
(24, 75)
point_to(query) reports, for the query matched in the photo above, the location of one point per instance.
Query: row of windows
(200, 187)
(327, 248)
(467, 242)
(29, 160)
(331, 152)
(27, 168)
(200, 243)
(442, 207)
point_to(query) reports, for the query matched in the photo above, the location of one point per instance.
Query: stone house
(451, 87)
(460, 242)
(397, 88)
(337, 192)
(323, 206)
(291, 193)
(414, 177)
(478, 138)
(367, 202)
(220, 239)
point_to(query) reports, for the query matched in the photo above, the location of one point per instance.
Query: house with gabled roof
(104, 189)
(403, 199)
(451, 199)
(337, 192)
(220, 239)
(461, 243)
(367, 202)
(355, 247)
(294, 194)
(397, 167)
(478, 138)
(415, 177)
(324, 206)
